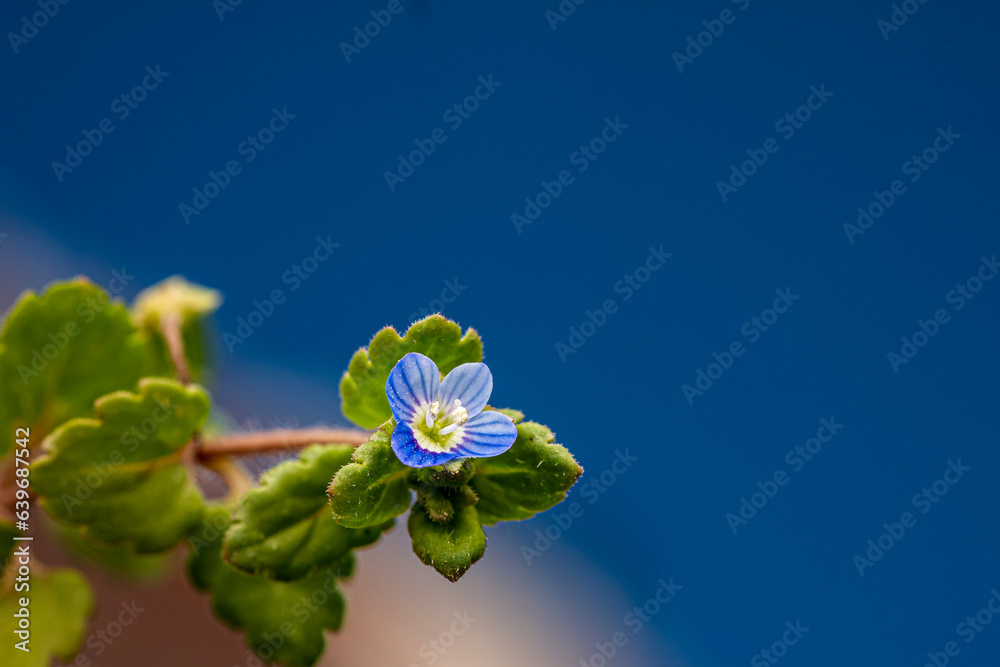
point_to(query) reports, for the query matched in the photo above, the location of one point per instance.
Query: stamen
(432, 413)
(449, 429)
(460, 415)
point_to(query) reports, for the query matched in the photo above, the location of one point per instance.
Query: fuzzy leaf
(120, 560)
(516, 416)
(372, 488)
(450, 548)
(191, 304)
(61, 604)
(362, 389)
(59, 352)
(174, 297)
(285, 528)
(531, 477)
(120, 475)
(283, 621)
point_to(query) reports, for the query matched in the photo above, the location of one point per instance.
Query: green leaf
(439, 507)
(120, 475)
(117, 559)
(531, 477)
(516, 416)
(450, 548)
(283, 621)
(285, 528)
(453, 474)
(174, 296)
(59, 352)
(61, 603)
(372, 489)
(362, 389)
(191, 304)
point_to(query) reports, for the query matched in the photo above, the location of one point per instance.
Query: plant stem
(248, 444)
(261, 442)
(170, 327)
(237, 482)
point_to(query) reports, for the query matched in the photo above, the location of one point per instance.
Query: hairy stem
(170, 327)
(247, 444)
(262, 442)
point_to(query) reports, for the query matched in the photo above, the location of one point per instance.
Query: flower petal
(489, 433)
(470, 383)
(413, 383)
(404, 443)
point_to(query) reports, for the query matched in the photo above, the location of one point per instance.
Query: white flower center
(436, 430)
(446, 422)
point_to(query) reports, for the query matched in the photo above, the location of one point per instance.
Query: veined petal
(413, 383)
(410, 453)
(472, 384)
(489, 433)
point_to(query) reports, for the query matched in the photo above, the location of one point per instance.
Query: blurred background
(689, 236)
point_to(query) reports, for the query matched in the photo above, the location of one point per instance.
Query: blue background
(655, 185)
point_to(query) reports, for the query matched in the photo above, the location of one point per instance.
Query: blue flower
(437, 420)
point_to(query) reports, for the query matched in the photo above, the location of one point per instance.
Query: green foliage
(61, 603)
(372, 488)
(114, 465)
(285, 528)
(362, 389)
(453, 474)
(283, 621)
(443, 490)
(59, 352)
(120, 475)
(190, 305)
(532, 476)
(117, 559)
(450, 548)
(174, 297)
